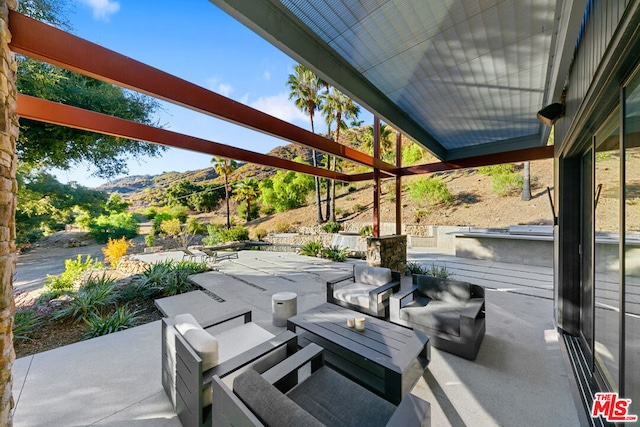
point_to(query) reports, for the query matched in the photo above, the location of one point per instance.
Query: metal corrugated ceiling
(467, 73)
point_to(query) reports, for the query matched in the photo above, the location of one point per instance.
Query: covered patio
(518, 375)
(470, 82)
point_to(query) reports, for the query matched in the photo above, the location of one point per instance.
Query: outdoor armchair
(451, 312)
(366, 290)
(193, 353)
(277, 398)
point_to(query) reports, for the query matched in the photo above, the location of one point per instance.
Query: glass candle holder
(351, 322)
(359, 324)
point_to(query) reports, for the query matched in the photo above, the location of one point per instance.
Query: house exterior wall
(8, 190)
(605, 59)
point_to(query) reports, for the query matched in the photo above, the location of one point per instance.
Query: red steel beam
(46, 43)
(42, 110)
(376, 178)
(536, 153)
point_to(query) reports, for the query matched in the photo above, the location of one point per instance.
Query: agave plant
(336, 253)
(311, 248)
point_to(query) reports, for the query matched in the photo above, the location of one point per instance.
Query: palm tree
(225, 167)
(385, 139)
(248, 191)
(305, 88)
(339, 107)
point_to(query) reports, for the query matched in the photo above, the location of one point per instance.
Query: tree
(339, 107)
(116, 204)
(46, 145)
(46, 205)
(526, 181)
(225, 167)
(286, 190)
(305, 88)
(247, 190)
(385, 140)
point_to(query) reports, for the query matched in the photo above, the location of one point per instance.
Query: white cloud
(279, 106)
(222, 88)
(102, 9)
(267, 75)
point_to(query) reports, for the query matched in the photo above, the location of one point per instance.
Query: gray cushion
(447, 290)
(269, 404)
(438, 315)
(376, 276)
(338, 401)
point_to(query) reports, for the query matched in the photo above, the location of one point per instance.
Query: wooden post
(376, 177)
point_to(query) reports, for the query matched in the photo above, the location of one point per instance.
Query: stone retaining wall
(388, 251)
(130, 266)
(9, 131)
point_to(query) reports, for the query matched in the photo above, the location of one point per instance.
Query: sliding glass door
(606, 252)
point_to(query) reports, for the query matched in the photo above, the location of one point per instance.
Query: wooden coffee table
(387, 359)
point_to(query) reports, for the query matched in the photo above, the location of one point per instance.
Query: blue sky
(196, 41)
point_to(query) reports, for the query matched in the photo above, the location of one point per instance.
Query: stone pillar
(8, 190)
(388, 251)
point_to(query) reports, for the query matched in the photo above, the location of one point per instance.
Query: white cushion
(184, 322)
(376, 276)
(355, 293)
(240, 339)
(205, 345)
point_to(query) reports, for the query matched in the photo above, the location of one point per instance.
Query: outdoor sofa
(277, 398)
(451, 312)
(193, 353)
(366, 290)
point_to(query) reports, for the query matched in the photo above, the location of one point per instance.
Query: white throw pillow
(205, 345)
(184, 322)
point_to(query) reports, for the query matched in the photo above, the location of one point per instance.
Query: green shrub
(365, 231)
(93, 298)
(59, 285)
(114, 226)
(25, 321)
(171, 227)
(331, 227)
(123, 318)
(351, 189)
(505, 180)
(438, 271)
(150, 213)
(164, 279)
(504, 185)
(494, 170)
(433, 271)
(158, 220)
(431, 190)
(358, 208)
(261, 233)
(311, 248)
(215, 235)
(150, 239)
(194, 227)
(335, 253)
(415, 268)
(235, 234)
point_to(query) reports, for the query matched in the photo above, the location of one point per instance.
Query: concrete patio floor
(518, 377)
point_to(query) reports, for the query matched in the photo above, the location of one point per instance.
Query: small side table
(283, 306)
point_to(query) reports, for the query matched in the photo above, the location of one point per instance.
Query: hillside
(473, 203)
